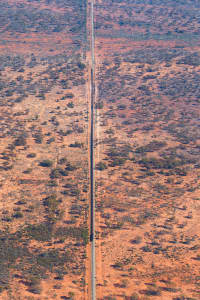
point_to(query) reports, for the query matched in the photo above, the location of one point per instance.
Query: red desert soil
(146, 151)
(147, 219)
(43, 154)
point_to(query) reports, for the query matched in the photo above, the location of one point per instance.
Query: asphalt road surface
(92, 164)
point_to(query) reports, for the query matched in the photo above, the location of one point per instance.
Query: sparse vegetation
(147, 148)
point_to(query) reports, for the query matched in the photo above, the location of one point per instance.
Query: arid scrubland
(43, 150)
(147, 144)
(147, 149)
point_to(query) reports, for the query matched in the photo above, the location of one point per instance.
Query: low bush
(79, 233)
(76, 145)
(51, 202)
(38, 138)
(31, 155)
(57, 173)
(150, 292)
(52, 259)
(151, 147)
(69, 95)
(166, 163)
(20, 141)
(118, 161)
(18, 215)
(99, 105)
(136, 240)
(101, 166)
(40, 232)
(70, 105)
(46, 163)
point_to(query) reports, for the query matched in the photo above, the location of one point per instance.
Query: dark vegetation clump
(46, 163)
(27, 18)
(80, 233)
(101, 166)
(167, 163)
(58, 172)
(16, 256)
(38, 136)
(20, 141)
(81, 65)
(70, 105)
(31, 155)
(76, 145)
(52, 259)
(118, 157)
(151, 147)
(40, 232)
(69, 96)
(151, 292)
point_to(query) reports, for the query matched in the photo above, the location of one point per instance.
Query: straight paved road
(92, 164)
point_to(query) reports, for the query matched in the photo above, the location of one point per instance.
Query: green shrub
(52, 259)
(121, 107)
(28, 171)
(52, 183)
(99, 105)
(46, 163)
(101, 166)
(31, 155)
(51, 140)
(118, 161)
(134, 296)
(81, 66)
(34, 290)
(51, 202)
(62, 161)
(57, 173)
(146, 249)
(20, 141)
(69, 95)
(166, 163)
(40, 232)
(70, 167)
(20, 202)
(18, 215)
(80, 233)
(76, 145)
(151, 147)
(70, 105)
(136, 240)
(150, 292)
(38, 138)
